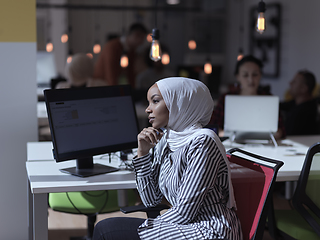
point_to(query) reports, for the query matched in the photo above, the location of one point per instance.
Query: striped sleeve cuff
(142, 165)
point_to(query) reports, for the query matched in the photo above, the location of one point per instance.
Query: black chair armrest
(152, 212)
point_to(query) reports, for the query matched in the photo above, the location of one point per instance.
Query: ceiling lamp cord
(155, 50)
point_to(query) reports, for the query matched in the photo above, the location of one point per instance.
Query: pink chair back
(252, 179)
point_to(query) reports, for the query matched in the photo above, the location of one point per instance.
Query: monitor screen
(91, 121)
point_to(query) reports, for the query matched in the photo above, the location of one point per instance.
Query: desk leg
(289, 189)
(40, 216)
(122, 198)
(30, 212)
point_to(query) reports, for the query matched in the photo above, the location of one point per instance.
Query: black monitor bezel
(56, 95)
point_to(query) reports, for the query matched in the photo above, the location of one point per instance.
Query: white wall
(299, 41)
(18, 126)
(18, 121)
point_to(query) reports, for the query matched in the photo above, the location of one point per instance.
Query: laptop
(251, 117)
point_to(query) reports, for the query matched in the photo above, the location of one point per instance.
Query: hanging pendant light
(89, 54)
(261, 21)
(240, 54)
(124, 60)
(64, 38)
(96, 48)
(155, 50)
(208, 67)
(49, 46)
(173, 2)
(192, 44)
(165, 60)
(69, 58)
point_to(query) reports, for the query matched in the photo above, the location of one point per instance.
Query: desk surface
(44, 174)
(45, 177)
(291, 152)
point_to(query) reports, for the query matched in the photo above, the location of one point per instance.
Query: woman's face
(249, 78)
(157, 109)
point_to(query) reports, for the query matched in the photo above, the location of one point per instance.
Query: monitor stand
(86, 168)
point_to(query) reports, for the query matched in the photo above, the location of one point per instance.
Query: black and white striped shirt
(194, 180)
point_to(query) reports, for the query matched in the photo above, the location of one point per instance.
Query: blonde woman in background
(79, 73)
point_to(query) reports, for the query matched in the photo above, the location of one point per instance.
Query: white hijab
(190, 108)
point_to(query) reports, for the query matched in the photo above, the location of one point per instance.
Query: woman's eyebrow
(154, 95)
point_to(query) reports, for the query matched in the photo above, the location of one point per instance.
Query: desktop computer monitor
(91, 121)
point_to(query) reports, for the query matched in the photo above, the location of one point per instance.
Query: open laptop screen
(251, 113)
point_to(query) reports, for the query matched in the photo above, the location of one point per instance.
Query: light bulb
(261, 21)
(165, 59)
(192, 44)
(64, 38)
(155, 50)
(49, 47)
(69, 59)
(124, 61)
(173, 2)
(89, 55)
(96, 48)
(240, 55)
(149, 37)
(208, 68)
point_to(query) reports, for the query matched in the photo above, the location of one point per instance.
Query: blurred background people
(108, 66)
(300, 113)
(248, 73)
(79, 73)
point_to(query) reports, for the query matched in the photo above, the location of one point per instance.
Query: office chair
(89, 203)
(253, 179)
(303, 221)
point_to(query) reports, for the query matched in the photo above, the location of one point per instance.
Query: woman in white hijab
(189, 168)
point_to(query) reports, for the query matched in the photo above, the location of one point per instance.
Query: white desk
(290, 152)
(44, 175)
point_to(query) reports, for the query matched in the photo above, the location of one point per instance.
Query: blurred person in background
(300, 114)
(79, 73)
(108, 66)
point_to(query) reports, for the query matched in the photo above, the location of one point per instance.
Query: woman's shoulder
(205, 137)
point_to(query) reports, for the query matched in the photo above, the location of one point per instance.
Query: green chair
(303, 221)
(90, 203)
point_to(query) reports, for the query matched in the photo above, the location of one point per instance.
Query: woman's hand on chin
(147, 139)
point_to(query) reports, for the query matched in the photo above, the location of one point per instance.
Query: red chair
(253, 178)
